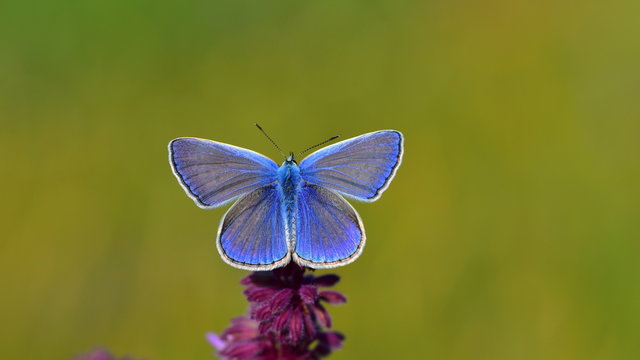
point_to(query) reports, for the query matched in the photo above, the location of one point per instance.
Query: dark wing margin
(214, 173)
(361, 167)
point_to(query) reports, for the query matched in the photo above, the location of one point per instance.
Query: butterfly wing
(214, 173)
(251, 235)
(360, 167)
(329, 231)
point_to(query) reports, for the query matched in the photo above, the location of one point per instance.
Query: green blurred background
(510, 232)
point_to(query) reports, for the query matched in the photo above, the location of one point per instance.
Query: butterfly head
(290, 159)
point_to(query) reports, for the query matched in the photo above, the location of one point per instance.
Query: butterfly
(293, 212)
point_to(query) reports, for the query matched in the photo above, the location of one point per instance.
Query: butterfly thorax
(289, 182)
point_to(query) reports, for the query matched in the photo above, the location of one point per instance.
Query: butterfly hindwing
(214, 173)
(360, 167)
(252, 233)
(329, 231)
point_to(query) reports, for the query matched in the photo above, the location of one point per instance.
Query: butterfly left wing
(360, 167)
(329, 231)
(252, 233)
(214, 173)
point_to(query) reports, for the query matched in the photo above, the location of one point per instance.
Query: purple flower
(242, 340)
(287, 319)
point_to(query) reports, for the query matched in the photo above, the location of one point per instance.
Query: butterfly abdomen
(289, 184)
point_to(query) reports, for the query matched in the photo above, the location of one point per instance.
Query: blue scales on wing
(329, 232)
(361, 167)
(215, 173)
(252, 232)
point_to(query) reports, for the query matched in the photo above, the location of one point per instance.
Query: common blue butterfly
(291, 212)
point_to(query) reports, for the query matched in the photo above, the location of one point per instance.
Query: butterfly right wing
(214, 173)
(252, 233)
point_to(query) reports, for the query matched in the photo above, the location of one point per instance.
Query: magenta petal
(333, 297)
(322, 316)
(308, 294)
(266, 357)
(256, 294)
(261, 278)
(326, 280)
(245, 350)
(295, 327)
(281, 300)
(333, 339)
(240, 328)
(327, 342)
(292, 352)
(246, 281)
(262, 312)
(242, 320)
(215, 341)
(309, 326)
(239, 332)
(281, 321)
(265, 327)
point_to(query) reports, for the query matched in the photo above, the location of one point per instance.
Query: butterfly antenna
(270, 139)
(315, 146)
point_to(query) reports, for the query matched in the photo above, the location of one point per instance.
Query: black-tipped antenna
(315, 146)
(270, 139)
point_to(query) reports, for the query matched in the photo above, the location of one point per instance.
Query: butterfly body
(294, 212)
(288, 184)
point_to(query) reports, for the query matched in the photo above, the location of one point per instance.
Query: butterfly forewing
(214, 173)
(329, 230)
(252, 232)
(360, 167)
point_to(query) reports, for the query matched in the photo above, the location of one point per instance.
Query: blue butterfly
(292, 212)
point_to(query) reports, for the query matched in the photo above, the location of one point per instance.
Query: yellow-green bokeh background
(510, 232)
